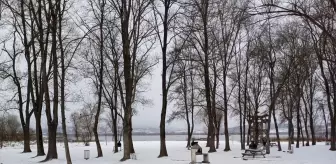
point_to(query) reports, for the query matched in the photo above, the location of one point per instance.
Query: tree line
(219, 58)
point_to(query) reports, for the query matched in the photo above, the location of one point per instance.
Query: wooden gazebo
(259, 128)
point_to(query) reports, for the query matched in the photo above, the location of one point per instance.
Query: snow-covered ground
(147, 152)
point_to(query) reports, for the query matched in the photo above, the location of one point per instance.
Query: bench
(273, 144)
(254, 152)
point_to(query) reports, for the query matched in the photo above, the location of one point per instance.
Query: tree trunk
(186, 109)
(271, 110)
(26, 125)
(26, 138)
(189, 133)
(128, 80)
(204, 11)
(332, 135)
(188, 137)
(65, 135)
(131, 138)
(248, 133)
(277, 131)
(306, 127)
(39, 136)
(52, 147)
(290, 125)
(291, 132)
(273, 97)
(115, 127)
(115, 108)
(95, 133)
(37, 105)
(217, 139)
(51, 115)
(226, 132)
(325, 124)
(77, 135)
(226, 124)
(187, 112)
(114, 124)
(244, 130)
(1, 139)
(63, 73)
(298, 109)
(126, 138)
(216, 119)
(289, 136)
(298, 127)
(190, 127)
(101, 79)
(245, 99)
(302, 136)
(242, 144)
(52, 122)
(115, 135)
(312, 129)
(333, 121)
(39, 89)
(326, 132)
(163, 148)
(311, 120)
(208, 139)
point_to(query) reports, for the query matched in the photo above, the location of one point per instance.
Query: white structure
(86, 154)
(197, 150)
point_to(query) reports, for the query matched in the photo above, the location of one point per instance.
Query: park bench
(273, 144)
(254, 152)
(199, 148)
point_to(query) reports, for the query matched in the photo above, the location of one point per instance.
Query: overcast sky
(150, 116)
(147, 117)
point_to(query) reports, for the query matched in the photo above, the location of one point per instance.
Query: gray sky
(150, 116)
(147, 117)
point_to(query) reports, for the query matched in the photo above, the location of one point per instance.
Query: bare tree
(166, 19)
(229, 27)
(112, 84)
(184, 91)
(19, 25)
(75, 123)
(309, 91)
(197, 14)
(100, 4)
(317, 21)
(86, 118)
(134, 32)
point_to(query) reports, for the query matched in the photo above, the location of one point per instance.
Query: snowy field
(147, 152)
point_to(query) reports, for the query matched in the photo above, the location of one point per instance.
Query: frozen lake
(169, 137)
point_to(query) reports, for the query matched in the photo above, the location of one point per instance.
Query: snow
(147, 152)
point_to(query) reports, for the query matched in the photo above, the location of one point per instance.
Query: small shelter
(259, 128)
